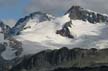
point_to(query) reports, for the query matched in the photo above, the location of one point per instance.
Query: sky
(12, 10)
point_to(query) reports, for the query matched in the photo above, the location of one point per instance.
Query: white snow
(39, 36)
(44, 31)
(60, 21)
(42, 35)
(82, 28)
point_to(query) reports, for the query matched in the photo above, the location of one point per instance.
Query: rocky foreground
(102, 68)
(65, 58)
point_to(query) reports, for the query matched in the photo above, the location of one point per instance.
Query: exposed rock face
(64, 58)
(76, 12)
(65, 30)
(8, 42)
(16, 48)
(54, 59)
(16, 45)
(19, 26)
(5, 30)
(102, 68)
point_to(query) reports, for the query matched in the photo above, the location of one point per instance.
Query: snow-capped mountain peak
(33, 17)
(60, 32)
(79, 27)
(79, 13)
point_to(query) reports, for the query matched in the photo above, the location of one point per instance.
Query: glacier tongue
(13, 49)
(8, 54)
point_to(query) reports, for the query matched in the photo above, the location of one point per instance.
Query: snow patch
(9, 53)
(82, 28)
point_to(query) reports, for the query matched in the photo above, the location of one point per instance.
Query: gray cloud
(10, 22)
(60, 6)
(50, 6)
(96, 5)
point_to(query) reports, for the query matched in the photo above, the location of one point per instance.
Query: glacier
(38, 31)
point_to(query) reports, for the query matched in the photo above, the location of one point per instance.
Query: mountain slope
(4, 31)
(63, 31)
(63, 58)
(79, 13)
(21, 23)
(10, 45)
(99, 68)
(1, 33)
(78, 28)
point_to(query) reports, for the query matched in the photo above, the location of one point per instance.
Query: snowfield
(37, 36)
(41, 36)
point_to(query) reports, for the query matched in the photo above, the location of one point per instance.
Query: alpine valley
(76, 41)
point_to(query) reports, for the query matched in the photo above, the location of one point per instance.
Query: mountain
(79, 13)
(36, 17)
(10, 44)
(9, 47)
(1, 32)
(4, 29)
(78, 28)
(64, 58)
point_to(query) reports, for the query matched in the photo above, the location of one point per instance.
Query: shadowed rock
(79, 13)
(64, 58)
(65, 30)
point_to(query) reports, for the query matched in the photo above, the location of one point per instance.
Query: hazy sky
(14, 9)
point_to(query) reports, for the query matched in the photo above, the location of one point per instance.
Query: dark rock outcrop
(65, 30)
(101, 68)
(79, 13)
(64, 58)
(5, 30)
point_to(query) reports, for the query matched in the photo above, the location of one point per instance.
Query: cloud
(50, 6)
(60, 6)
(96, 5)
(10, 22)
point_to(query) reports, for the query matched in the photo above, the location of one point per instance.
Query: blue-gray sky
(15, 9)
(12, 9)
